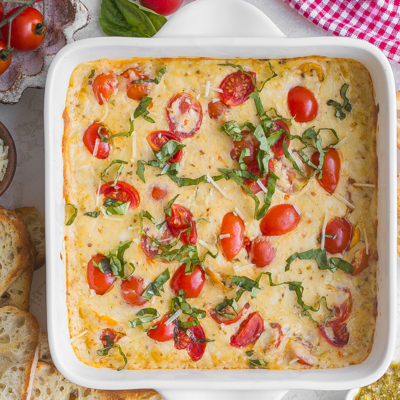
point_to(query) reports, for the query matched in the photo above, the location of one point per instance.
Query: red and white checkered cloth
(377, 21)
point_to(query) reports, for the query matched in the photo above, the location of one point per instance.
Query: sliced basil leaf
(73, 216)
(232, 129)
(148, 315)
(116, 259)
(117, 207)
(167, 209)
(110, 344)
(121, 134)
(122, 163)
(141, 109)
(327, 237)
(157, 80)
(233, 303)
(168, 150)
(258, 363)
(92, 214)
(141, 169)
(339, 107)
(91, 74)
(156, 285)
(335, 263)
(103, 265)
(159, 226)
(179, 302)
(244, 153)
(190, 334)
(249, 353)
(182, 182)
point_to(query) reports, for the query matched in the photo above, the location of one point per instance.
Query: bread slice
(44, 354)
(141, 394)
(49, 384)
(35, 223)
(17, 251)
(17, 294)
(19, 351)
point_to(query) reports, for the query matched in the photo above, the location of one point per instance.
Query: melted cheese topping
(207, 151)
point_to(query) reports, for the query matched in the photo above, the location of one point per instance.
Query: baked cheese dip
(221, 213)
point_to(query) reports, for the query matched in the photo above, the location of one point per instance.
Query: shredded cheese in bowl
(3, 159)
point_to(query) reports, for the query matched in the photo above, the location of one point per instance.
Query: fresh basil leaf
(258, 363)
(232, 129)
(191, 335)
(110, 344)
(122, 163)
(233, 303)
(91, 74)
(92, 214)
(272, 178)
(103, 265)
(339, 107)
(115, 259)
(244, 153)
(112, 20)
(141, 109)
(179, 302)
(73, 216)
(327, 237)
(157, 80)
(249, 353)
(118, 208)
(108, 202)
(335, 263)
(167, 209)
(141, 169)
(168, 150)
(183, 182)
(156, 285)
(121, 134)
(159, 226)
(148, 315)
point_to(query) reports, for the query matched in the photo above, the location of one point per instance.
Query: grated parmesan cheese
(239, 213)
(173, 317)
(263, 188)
(98, 194)
(225, 236)
(323, 231)
(106, 110)
(207, 86)
(198, 96)
(297, 209)
(78, 336)
(343, 200)
(211, 180)
(206, 245)
(165, 169)
(340, 143)
(3, 159)
(214, 100)
(243, 268)
(133, 146)
(368, 185)
(96, 147)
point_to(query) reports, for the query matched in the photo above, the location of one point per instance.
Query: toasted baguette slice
(49, 384)
(19, 351)
(35, 223)
(17, 251)
(141, 394)
(17, 294)
(44, 354)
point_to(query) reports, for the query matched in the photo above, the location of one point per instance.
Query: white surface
(25, 123)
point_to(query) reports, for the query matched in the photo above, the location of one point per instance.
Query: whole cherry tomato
(302, 104)
(184, 115)
(277, 147)
(220, 319)
(104, 86)
(92, 135)
(191, 284)
(4, 64)
(233, 226)
(279, 219)
(163, 7)
(99, 282)
(163, 332)
(25, 35)
(157, 140)
(195, 348)
(360, 261)
(136, 91)
(330, 169)
(261, 251)
(217, 108)
(335, 335)
(113, 335)
(248, 141)
(158, 193)
(180, 219)
(249, 331)
(341, 228)
(236, 88)
(132, 290)
(122, 191)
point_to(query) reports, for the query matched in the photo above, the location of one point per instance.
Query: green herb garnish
(179, 302)
(154, 287)
(257, 363)
(121, 134)
(167, 209)
(157, 80)
(122, 163)
(73, 216)
(110, 344)
(142, 111)
(340, 107)
(115, 207)
(92, 214)
(233, 303)
(92, 72)
(152, 315)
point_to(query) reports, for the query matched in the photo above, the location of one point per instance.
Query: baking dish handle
(219, 18)
(175, 394)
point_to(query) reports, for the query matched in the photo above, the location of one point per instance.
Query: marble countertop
(25, 122)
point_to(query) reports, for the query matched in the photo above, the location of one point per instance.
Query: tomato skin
(220, 319)
(336, 335)
(249, 331)
(99, 282)
(216, 109)
(248, 141)
(360, 262)
(145, 244)
(122, 191)
(195, 350)
(137, 90)
(343, 311)
(182, 104)
(4, 64)
(132, 290)
(234, 226)
(113, 335)
(236, 88)
(330, 169)
(343, 229)
(261, 252)
(253, 185)
(179, 220)
(278, 328)
(302, 104)
(23, 36)
(163, 332)
(163, 7)
(158, 193)
(91, 135)
(104, 86)
(156, 143)
(302, 353)
(279, 220)
(191, 284)
(277, 147)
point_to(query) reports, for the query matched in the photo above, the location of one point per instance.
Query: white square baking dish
(207, 38)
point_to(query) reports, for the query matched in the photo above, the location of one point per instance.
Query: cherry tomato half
(113, 335)
(249, 331)
(23, 29)
(277, 147)
(236, 88)
(158, 193)
(157, 139)
(1, 11)
(254, 169)
(279, 219)
(191, 284)
(147, 246)
(248, 141)
(335, 335)
(330, 170)
(220, 319)
(360, 261)
(184, 115)
(136, 91)
(163, 332)
(278, 327)
(216, 109)
(194, 349)
(90, 137)
(343, 311)
(104, 86)
(4, 64)
(302, 353)
(122, 191)
(132, 290)
(99, 282)
(180, 219)
(261, 252)
(232, 225)
(341, 228)
(302, 104)
(163, 7)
